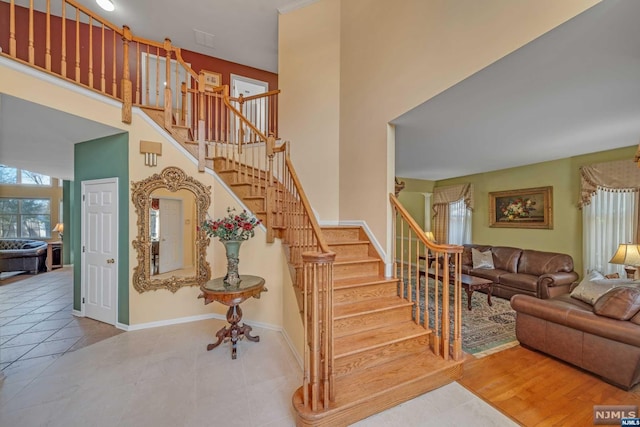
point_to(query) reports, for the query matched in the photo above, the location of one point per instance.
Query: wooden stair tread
(357, 260)
(365, 340)
(350, 309)
(380, 379)
(353, 282)
(348, 242)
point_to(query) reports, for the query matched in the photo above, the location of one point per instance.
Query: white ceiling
(572, 91)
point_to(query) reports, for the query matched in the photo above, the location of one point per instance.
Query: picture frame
(523, 208)
(211, 80)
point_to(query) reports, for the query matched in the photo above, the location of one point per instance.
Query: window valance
(618, 175)
(453, 193)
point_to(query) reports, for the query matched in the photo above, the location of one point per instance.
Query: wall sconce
(151, 151)
(59, 228)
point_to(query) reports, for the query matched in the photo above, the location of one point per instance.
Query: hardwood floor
(536, 390)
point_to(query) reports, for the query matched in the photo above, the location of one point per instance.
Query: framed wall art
(211, 80)
(526, 208)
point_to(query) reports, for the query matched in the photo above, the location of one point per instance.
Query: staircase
(367, 347)
(382, 356)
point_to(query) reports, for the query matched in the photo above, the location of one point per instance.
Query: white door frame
(237, 77)
(83, 266)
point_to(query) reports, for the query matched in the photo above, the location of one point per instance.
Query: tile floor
(36, 323)
(165, 377)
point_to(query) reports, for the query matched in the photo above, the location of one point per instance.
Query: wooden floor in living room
(537, 390)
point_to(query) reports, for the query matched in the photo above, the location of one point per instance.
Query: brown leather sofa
(564, 327)
(523, 271)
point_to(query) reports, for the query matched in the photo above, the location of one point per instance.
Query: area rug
(485, 329)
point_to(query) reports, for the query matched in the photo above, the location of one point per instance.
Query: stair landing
(376, 389)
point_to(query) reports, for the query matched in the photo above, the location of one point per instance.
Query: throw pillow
(621, 303)
(612, 276)
(594, 285)
(482, 259)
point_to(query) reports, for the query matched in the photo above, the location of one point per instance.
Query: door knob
(111, 261)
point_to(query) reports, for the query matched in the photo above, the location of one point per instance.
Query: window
(25, 218)
(459, 223)
(9, 175)
(608, 220)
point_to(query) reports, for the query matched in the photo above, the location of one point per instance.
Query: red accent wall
(202, 62)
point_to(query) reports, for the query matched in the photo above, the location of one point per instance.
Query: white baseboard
(287, 338)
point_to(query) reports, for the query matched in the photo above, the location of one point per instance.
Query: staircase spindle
(31, 40)
(47, 49)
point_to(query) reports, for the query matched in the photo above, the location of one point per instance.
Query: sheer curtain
(459, 223)
(608, 220)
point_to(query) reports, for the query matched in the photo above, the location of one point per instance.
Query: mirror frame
(173, 179)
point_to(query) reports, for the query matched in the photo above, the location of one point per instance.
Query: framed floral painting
(526, 208)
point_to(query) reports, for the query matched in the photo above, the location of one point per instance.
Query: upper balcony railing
(66, 39)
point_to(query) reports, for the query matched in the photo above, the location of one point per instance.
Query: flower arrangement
(232, 227)
(518, 208)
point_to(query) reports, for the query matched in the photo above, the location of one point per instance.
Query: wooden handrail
(452, 249)
(227, 102)
(261, 95)
(92, 14)
(448, 261)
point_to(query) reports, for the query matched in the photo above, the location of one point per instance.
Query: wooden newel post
(127, 91)
(168, 102)
(318, 329)
(270, 200)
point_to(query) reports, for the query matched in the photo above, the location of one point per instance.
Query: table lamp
(59, 228)
(628, 254)
(430, 237)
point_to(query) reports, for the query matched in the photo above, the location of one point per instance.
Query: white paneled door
(100, 249)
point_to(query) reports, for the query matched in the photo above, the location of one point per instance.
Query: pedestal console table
(233, 296)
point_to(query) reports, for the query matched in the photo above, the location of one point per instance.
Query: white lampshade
(430, 237)
(627, 254)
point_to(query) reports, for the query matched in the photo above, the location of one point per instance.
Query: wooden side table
(54, 255)
(233, 296)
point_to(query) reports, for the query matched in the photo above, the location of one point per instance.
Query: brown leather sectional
(605, 344)
(523, 271)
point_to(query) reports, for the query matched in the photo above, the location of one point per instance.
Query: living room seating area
(520, 271)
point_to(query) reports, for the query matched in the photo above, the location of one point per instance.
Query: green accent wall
(104, 158)
(564, 176)
(67, 215)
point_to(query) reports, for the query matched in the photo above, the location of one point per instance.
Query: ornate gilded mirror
(172, 248)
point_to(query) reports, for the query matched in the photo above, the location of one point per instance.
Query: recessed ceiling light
(106, 5)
